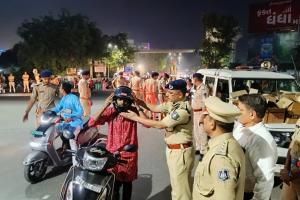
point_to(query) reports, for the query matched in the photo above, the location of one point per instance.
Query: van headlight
(93, 163)
(282, 139)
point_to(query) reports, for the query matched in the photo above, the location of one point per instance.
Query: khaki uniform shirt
(44, 95)
(199, 95)
(84, 89)
(25, 77)
(221, 174)
(11, 78)
(179, 121)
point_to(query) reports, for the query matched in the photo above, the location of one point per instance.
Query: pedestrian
(290, 175)
(2, 82)
(178, 137)
(135, 84)
(163, 81)
(85, 93)
(259, 146)
(121, 132)
(119, 81)
(199, 94)
(104, 84)
(189, 87)
(43, 94)
(221, 174)
(11, 83)
(151, 90)
(25, 78)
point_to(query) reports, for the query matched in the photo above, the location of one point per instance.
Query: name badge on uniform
(223, 174)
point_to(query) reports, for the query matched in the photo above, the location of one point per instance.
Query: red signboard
(274, 16)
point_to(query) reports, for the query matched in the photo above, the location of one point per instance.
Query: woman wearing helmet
(121, 132)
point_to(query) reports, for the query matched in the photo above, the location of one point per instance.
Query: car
(224, 83)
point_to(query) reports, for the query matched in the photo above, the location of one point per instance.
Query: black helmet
(125, 93)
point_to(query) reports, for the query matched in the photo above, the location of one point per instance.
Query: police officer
(178, 123)
(221, 174)
(11, 83)
(85, 93)
(291, 172)
(44, 94)
(199, 94)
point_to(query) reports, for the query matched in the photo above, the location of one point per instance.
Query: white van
(223, 82)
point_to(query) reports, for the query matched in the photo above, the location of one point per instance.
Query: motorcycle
(91, 178)
(44, 151)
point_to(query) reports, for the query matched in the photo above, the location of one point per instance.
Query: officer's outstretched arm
(147, 122)
(225, 178)
(151, 107)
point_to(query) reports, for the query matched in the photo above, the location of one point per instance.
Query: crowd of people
(236, 152)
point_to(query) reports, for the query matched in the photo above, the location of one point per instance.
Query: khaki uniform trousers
(180, 163)
(200, 136)
(291, 192)
(26, 86)
(12, 85)
(85, 103)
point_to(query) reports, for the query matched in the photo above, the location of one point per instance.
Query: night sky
(163, 23)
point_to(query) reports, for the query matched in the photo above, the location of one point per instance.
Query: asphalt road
(153, 181)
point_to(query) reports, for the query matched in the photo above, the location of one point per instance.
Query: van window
(210, 82)
(265, 86)
(223, 90)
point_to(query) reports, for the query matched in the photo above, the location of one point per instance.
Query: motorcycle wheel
(35, 172)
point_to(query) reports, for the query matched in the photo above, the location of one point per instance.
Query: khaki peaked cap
(221, 111)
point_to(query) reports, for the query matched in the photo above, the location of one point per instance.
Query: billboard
(274, 16)
(272, 46)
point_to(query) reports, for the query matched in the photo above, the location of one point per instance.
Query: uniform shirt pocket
(204, 186)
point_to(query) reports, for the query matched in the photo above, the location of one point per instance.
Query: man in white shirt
(259, 146)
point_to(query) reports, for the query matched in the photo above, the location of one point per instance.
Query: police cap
(177, 85)
(221, 111)
(46, 73)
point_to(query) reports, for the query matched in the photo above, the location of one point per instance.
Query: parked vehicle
(224, 83)
(44, 151)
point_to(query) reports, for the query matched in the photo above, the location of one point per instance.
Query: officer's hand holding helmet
(123, 98)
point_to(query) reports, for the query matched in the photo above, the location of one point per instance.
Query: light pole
(111, 49)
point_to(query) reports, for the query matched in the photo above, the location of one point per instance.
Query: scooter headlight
(93, 163)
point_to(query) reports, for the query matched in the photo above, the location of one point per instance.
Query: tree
(220, 32)
(119, 53)
(60, 42)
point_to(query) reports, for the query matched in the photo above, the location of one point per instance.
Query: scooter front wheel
(35, 172)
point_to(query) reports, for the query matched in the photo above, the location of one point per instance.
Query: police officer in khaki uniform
(85, 93)
(11, 83)
(221, 174)
(291, 172)
(199, 94)
(25, 78)
(44, 94)
(178, 123)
